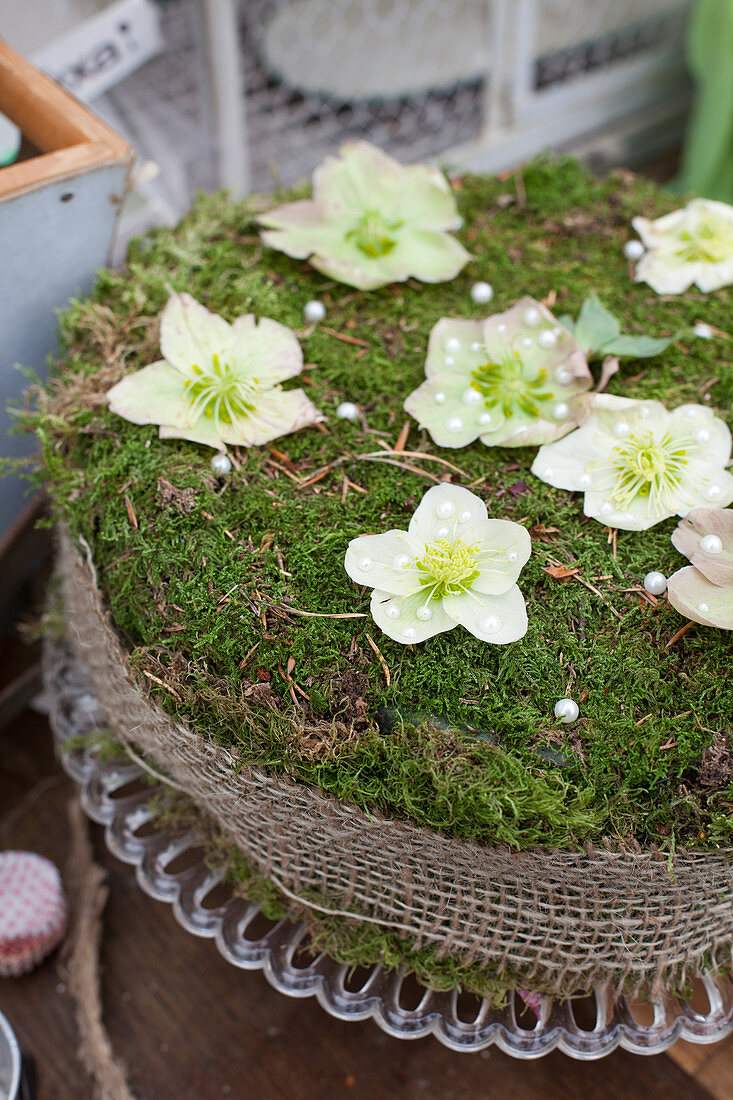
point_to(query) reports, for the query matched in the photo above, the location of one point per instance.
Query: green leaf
(595, 326)
(567, 322)
(636, 347)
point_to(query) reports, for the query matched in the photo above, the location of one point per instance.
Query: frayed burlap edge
(558, 921)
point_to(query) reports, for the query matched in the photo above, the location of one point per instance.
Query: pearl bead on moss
(221, 464)
(347, 410)
(314, 311)
(481, 293)
(633, 250)
(566, 710)
(703, 330)
(655, 583)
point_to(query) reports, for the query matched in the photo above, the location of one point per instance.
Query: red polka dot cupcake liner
(32, 911)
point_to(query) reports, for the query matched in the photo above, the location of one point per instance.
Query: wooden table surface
(189, 1026)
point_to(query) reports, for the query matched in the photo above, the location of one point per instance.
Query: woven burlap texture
(557, 921)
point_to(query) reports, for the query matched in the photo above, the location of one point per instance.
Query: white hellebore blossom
(691, 245)
(638, 463)
(515, 380)
(217, 383)
(452, 566)
(372, 221)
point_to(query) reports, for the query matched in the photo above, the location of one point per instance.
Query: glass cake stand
(113, 795)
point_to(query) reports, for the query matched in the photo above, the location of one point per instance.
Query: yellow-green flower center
(508, 385)
(448, 569)
(710, 241)
(648, 467)
(374, 234)
(219, 393)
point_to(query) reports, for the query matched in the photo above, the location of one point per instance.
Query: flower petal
(698, 599)
(267, 350)
(189, 334)
(688, 537)
(402, 618)
(428, 255)
(202, 430)
(385, 561)
(714, 276)
(150, 395)
(505, 550)
(498, 619)
(710, 432)
(359, 178)
(301, 228)
(663, 275)
(455, 346)
(448, 407)
(446, 512)
(426, 198)
(634, 516)
(277, 412)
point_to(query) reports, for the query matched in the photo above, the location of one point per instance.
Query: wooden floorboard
(189, 1026)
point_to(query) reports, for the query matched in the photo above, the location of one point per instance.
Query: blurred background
(249, 94)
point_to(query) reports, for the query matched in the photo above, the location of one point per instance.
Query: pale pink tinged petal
(688, 539)
(385, 561)
(190, 334)
(522, 329)
(202, 431)
(426, 199)
(277, 413)
(714, 276)
(409, 619)
(294, 228)
(360, 178)
(696, 598)
(440, 406)
(427, 255)
(438, 514)
(267, 351)
(497, 619)
(150, 395)
(663, 277)
(445, 356)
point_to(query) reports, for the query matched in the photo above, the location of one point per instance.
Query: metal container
(9, 1062)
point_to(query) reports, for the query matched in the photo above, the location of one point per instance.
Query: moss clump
(202, 594)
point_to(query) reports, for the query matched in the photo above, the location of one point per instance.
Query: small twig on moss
(346, 339)
(399, 446)
(162, 684)
(318, 614)
(380, 658)
(680, 634)
(247, 656)
(131, 512)
(416, 454)
(401, 466)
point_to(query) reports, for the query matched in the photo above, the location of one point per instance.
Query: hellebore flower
(514, 380)
(703, 591)
(217, 383)
(638, 463)
(452, 566)
(371, 221)
(691, 245)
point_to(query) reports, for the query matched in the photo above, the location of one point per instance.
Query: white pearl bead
(655, 583)
(531, 316)
(409, 632)
(445, 509)
(703, 330)
(221, 464)
(512, 555)
(392, 611)
(491, 625)
(633, 250)
(465, 515)
(703, 436)
(440, 398)
(547, 339)
(454, 424)
(561, 410)
(702, 607)
(557, 331)
(475, 346)
(713, 492)
(423, 614)
(347, 410)
(606, 508)
(501, 328)
(548, 471)
(711, 544)
(484, 418)
(527, 342)
(450, 361)
(366, 563)
(567, 710)
(645, 412)
(471, 396)
(521, 431)
(314, 310)
(563, 376)
(443, 532)
(482, 293)
(691, 413)
(621, 429)
(585, 481)
(400, 562)
(453, 344)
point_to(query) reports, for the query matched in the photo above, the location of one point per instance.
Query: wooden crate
(58, 210)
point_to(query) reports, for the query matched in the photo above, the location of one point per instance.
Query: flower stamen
(219, 393)
(506, 384)
(652, 468)
(448, 569)
(372, 234)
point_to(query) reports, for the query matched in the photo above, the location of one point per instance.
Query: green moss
(194, 594)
